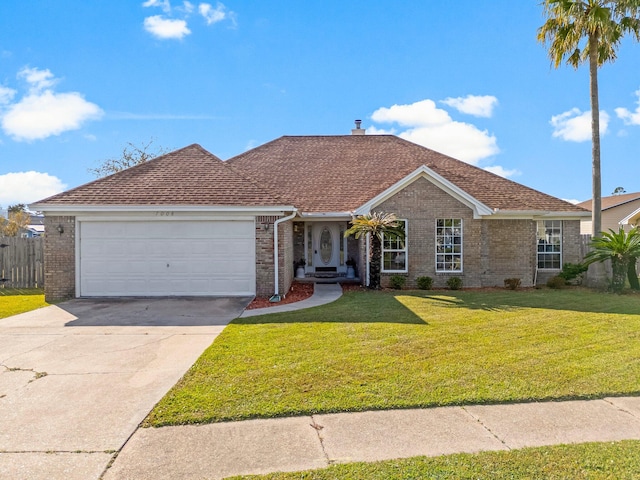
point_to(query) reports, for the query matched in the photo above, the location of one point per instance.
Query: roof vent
(358, 130)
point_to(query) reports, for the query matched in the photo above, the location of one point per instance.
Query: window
(394, 251)
(550, 244)
(449, 245)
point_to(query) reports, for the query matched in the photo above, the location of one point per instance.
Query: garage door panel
(167, 258)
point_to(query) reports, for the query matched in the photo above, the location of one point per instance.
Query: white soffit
(631, 218)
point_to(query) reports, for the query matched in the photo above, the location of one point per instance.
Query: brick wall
(265, 270)
(493, 249)
(421, 203)
(510, 251)
(59, 258)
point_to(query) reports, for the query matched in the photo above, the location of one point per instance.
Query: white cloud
(630, 118)
(165, 28)
(187, 7)
(38, 80)
(501, 171)
(163, 4)
(39, 116)
(43, 112)
(28, 187)
(432, 127)
(6, 95)
(575, 126)
(212, 15)
(476, 105)
(572, 200)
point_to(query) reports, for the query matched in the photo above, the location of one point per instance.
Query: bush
(556, 282)
(397, 281)
(424, 283)
(454, 283)
(512, 283)
(573, 271)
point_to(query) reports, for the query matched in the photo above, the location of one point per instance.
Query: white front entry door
(328, 246)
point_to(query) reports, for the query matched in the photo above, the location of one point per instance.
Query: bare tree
(131, 156)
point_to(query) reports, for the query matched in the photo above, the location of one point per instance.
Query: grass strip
(587, 461)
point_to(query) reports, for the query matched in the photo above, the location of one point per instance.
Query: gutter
(276, 261)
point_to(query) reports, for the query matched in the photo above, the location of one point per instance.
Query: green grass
(387, 350)
(20, 300)
(592, 461)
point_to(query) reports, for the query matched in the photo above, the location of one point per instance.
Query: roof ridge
(129, 169)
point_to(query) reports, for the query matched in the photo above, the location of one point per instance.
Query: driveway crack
(36, 375)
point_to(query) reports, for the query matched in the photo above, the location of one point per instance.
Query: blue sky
(80, 79)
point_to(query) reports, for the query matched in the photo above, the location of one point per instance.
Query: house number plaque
(164, 214)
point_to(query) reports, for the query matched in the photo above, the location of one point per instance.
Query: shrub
(556, 282)
(424, 283)
(573, 271)
(512, 283)
(454, 283)
(397, 281)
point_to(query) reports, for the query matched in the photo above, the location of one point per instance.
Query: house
(188, 223)
(615, 209)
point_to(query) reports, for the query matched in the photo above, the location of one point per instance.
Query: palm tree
(589, 30)
(376, 224)
(622, 249)
(602, 24)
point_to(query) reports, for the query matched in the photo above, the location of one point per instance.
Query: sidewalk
(288, 444)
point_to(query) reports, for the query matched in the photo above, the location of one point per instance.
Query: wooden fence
(585, 242)
(21, 262)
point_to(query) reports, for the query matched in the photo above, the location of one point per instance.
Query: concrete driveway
(76, 379)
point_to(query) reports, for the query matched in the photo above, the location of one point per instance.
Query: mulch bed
(298, 292)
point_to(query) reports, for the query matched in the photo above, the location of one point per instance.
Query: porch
(322, 254)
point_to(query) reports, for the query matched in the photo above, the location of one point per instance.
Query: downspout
(367, 259)
(276, 261)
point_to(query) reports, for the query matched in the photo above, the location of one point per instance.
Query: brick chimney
(358, 130)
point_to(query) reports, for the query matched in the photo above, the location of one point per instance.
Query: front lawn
(383, 350)
(20, 300)
(587, 461)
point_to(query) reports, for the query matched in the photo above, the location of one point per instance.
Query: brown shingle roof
(612, 201)
(189, 176)
(341, 173)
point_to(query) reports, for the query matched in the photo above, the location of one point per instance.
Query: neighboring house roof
(342, 173)
(612, 201)
(189, 176)
(315, 174)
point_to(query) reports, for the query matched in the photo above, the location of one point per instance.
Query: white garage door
(190, 258)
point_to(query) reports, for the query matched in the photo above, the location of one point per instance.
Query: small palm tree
(622, 249)
(376, 224)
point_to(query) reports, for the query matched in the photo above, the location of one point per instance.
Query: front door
(328, 246)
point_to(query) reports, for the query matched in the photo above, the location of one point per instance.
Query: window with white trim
(549, 244)
(449, 245)
(394, 251)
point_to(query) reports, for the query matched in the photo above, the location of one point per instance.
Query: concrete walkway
(322, 293)
(289, 444)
